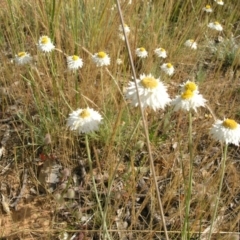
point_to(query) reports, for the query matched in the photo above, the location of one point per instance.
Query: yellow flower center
(216, 23)
(162, 49)
(149, 82)
(75, 58)
(191, 86)
(84, 114)
(208, 7)
(45, 40)
(101, 54)
(21, 54)
(125, 25)
(230, 123)
(142, 49)
(169, 65)
(191, 40)
(187, 94)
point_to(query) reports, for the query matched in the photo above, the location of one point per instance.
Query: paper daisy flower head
(207, 9)
(168, 68)
(141, 52)
(188, 100)
(126, 28)
(226, 131)
(74, 62)
(127, 31)
(22, 58)
(101, 59)
(191, 44)
(160, 52)
(45, 44)
(191, 86)
(152, 93)
(216, 26)
(84, 120)
(219, 2)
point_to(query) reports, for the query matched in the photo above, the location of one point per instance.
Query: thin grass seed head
(216, 26)
(152, 93)
(168, 68)
(84, 120)
(101, 59)
(45, 44)
(226, 131)
(141, 52)
(191, 44)
(208, 8)
(160, 52)
(74, 62)
(22, 58)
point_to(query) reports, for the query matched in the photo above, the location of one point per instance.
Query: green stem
(185, 234)
(219, 190)
(105, 230)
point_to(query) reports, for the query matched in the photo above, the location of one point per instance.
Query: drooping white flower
(191, 44)
(168, 68)
(74, 62)
(219, 2)
(45, 44)
(101, 59)
(22, 58)
(84, 120)
(216, 26)
(141, 52)
(160, 52)
(188, 100)
(152, 93)
(207, 9)
(226, 131)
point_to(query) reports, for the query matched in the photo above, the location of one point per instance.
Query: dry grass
(35, 101)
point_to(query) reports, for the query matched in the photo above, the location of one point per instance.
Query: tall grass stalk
(144, 124)
(188, 191)
(223, 167)
(103, 214)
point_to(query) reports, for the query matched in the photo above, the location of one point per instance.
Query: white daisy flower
(188, 100)
(160, 52)
(141, 52)
(22, 58)
(191, 44)
(152, 93)
(84, 120)
(226, 131)
(74, 62)
(219, 2)
(216, 26)
(101, 59)
(168, 68)
(207, 9)
(45, 44)
(126, 28)
(189, 85)
(127, 31)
